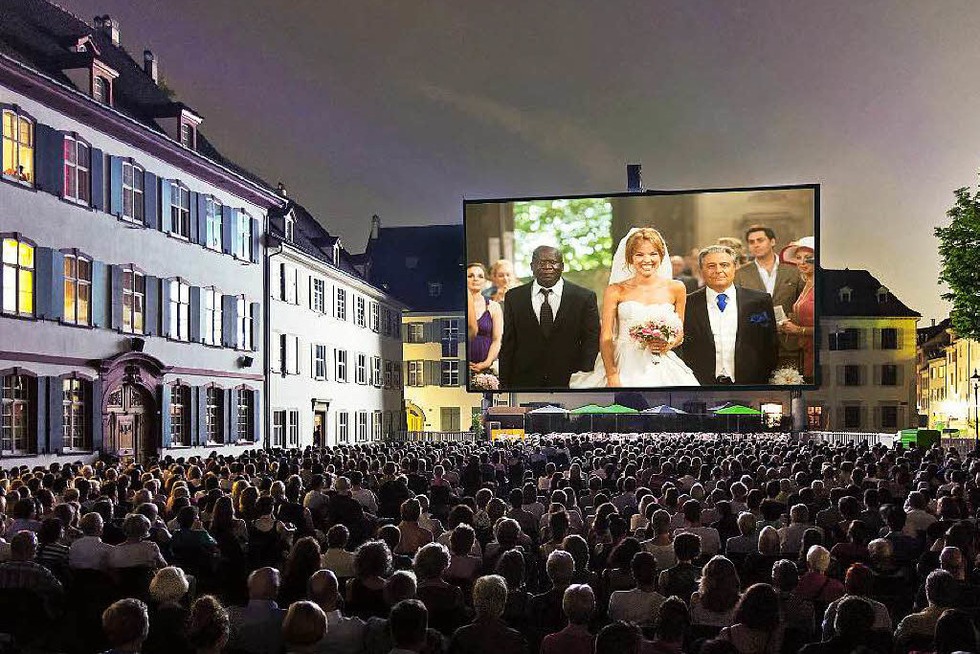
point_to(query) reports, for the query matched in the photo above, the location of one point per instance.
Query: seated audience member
(511, 566)
(710, 540)
(815, 585)
(919, 628)
(89, 552)
(365, 592)
(344, 635)
(126, 625)
(52, 553)
(791, 536)
(798, 614)
(207, 625)
(463, 566)
(858, 582)
(757, 567)
(303, 560)
(136, 551)
(409, 626)
(168, 613)
(579, 549)
(617, 574)
(682, 578)
(303, 627)
(748, 540)
(854, 549)
(336, 558)
(391, 536)
(852, 622)
(672, 627)
(956, 632)
(662, 543)
(642, 604)
(578, 604)
(488, 634)
(757, 628)
(545, 613)
(22, 574)
(619, 638)
(905, 548)
(191, 546)
(257, 627)
(377, 636)
(713, 604)
(443, 601)
(413, 536)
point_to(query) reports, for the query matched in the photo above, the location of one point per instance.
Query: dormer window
(187, 135)
(100, 89)
(336, 254)
(290, 229)
(882, 295)
(844, 294)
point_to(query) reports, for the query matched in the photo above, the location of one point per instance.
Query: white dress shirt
(768, 278)
(724, 327)
(537, 299)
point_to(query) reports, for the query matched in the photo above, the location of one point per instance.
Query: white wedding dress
(638, 366)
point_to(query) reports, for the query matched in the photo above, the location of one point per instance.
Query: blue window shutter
(98, 180)
(195, 327)
(231, 410)
(94, 414)
(115, 186)
(256, 241)
(229, 320)
(49, 282)
(202, 412)
(227, 232)
(164, 393)
(195, 225)
(40, 397)
(100, 289)
(165, 308)
(201, 201)
(116, 296)
(151, 322)
(256, 326)
(56, 420)
(151, 203)
(50, 158)
(164, 204)
(256, 416)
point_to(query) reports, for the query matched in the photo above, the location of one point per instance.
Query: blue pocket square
(761, 318)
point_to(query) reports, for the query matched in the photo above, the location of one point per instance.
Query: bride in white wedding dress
(641, 284)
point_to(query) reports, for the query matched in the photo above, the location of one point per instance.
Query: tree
(579, 227)
(959, 249)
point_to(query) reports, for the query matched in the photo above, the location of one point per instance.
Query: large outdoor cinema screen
(655, 290)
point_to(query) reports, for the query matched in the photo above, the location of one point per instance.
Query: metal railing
(851, 438)
(434, 436)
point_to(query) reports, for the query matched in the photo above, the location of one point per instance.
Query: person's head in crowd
(303, 627)
(859, 580)
(578, 604)
(51, 531)
(337, 537)
(169, 586)
(817, 559)
(489, 597)
(785, 575)
(126, 624)
(560, 568)
(687, 547)
(431, 561)
(263, 584)
(673, 621)
(719, 585)
(941, 589)
(746, 523)
(23, 546)
(186, 517)
(895, 517)
(136, 527)
(324, 590)
(511, 566)
(91, 524)
(502, 274)
(761, 241)
(769, 541)
(372, 559)
(660, 522)
(401, 585)
(208, 625)
(390, 535)
(644, 569)
(881, 553)
(411, 510)
(547, 265)
(951, 560)
(758, 608)
(303, 559)
(955, 632)
(461, 540)
(619, 638)
(408, 623)
(799, 513)
(854, 619)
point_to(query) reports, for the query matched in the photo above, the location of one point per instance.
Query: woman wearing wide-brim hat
(802, 254)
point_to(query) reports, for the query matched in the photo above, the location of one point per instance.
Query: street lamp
(975, 379)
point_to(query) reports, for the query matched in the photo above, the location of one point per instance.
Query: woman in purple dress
(485, 321)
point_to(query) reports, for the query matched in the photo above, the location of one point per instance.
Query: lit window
(180, 414)
(180, 310)
(244, 414)
(416, 332)
(435, 289)
(214, 415)
(73, 415)
(18, 277)
(213, 218)
(187, 135)
(132, 186)
(15, 414)
(180, 211)
(211, 320)
(245, 320)
(78, 289)
(133, 301)
(18, 147)
(78, 173)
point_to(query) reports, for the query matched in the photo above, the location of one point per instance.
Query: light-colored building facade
(946, 392)
(335, 353)
(132, 282)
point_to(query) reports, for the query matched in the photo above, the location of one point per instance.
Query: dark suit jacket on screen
(528, 359)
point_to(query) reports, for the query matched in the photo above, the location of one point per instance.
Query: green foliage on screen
(580, 228)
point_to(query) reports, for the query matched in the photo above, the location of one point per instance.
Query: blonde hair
(649, 235)
(500, 263)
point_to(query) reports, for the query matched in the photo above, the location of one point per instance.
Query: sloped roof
(39, 34)
(405, 260)
(864, 297)
(312, 238)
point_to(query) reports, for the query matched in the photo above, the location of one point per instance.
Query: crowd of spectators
(657, 544)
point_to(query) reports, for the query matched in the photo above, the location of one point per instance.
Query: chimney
(150, 65)
(281, 189)
(109, 27)
(634, 183)
(933, 322)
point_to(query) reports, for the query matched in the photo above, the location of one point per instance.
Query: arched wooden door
(129, 422)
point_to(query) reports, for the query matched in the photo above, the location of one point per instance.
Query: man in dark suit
(782, 282)
(551, 327)
(729, 331)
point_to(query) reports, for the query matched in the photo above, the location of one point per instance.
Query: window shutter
(876, 339)
(49, 282)
(899, 374)
(275, 354)
(231, 411)
(50, 157)
(165, 308)
(876, 418)
(877, 374)
(201, 416)
(899, 337)
(291, 342)
(196, 318)
(54, 403)
(227, 227)
(151, 306)
(201, 202)
(256, 325)
(93, 415)
(98, 179)
(256, 249)
(164, 196)
(164, 392)
(151, 204)
(100, 290)
(115, 186)
(195, 219)
(256, 417)
(229, 322)
(116, 298)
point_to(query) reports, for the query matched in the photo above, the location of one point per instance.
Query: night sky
(405, 108)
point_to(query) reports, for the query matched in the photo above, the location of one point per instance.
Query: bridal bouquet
(485, 381)
(663, 325)
(788, 376)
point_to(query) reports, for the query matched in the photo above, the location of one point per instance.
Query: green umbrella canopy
(619, 408)
(738, 410)
(589, 408)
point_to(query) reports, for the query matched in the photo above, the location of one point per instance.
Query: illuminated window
(279, 428)
(290, 229)
(212, 317)
(180, 310)
(180, 414)
(15, 414)
(132, 185)
(376, 371)
(18, 277)
(180, 210)
(76, 436)
(214, 415)
(78, 173)
(78, 289)
(18, 147)
(213, 214)
(133, 301)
